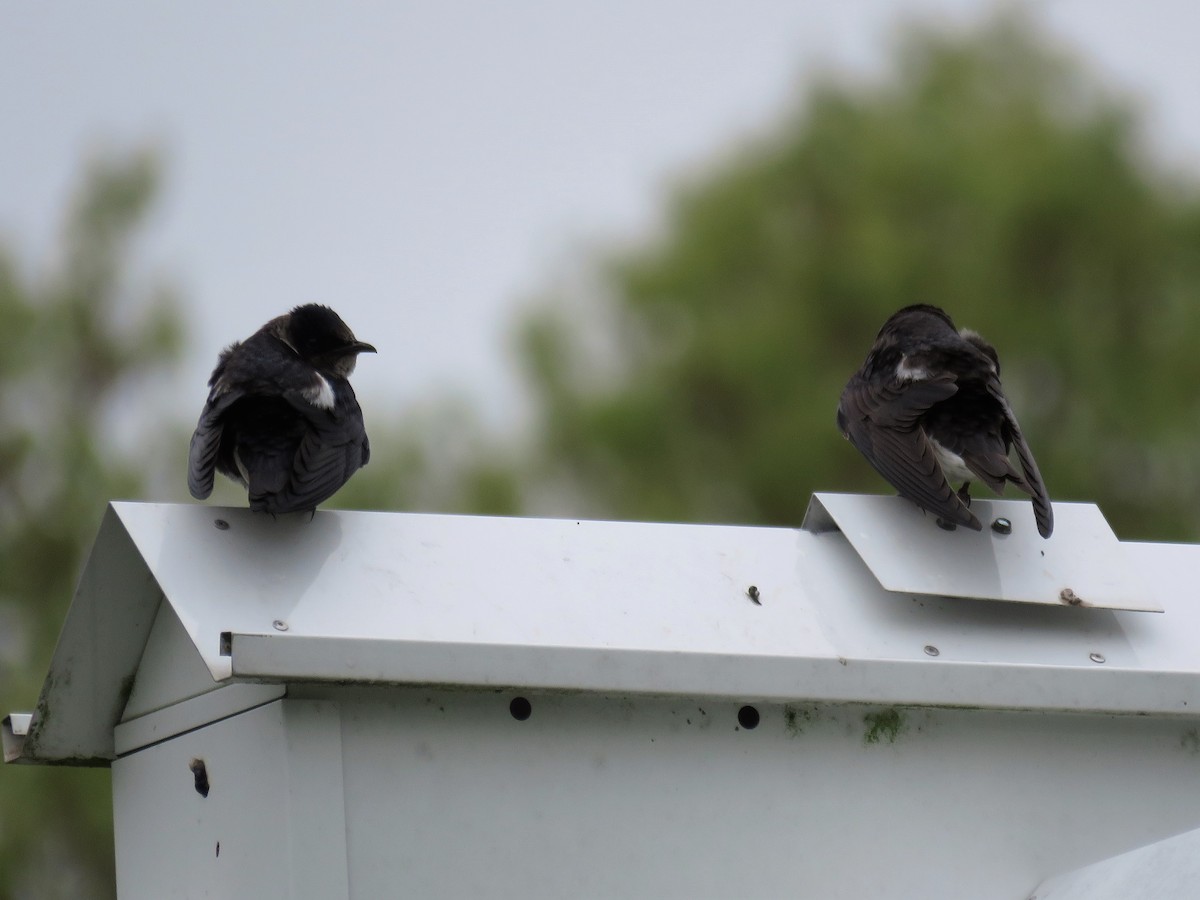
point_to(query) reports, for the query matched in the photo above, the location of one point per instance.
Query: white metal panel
(272, 825)
(1087, 688)
(170, 669)
(1165, 870)
(316, 802)
(447, 795)
(1167, 642)
(869, 622)
(508, 582)
(13, 729)
(171, 842)
(97, 655)
(195, 712)
(1082, 563)
(594, 605)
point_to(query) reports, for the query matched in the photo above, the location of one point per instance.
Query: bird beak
(362, 347)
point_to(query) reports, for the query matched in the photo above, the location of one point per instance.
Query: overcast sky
(426, 167)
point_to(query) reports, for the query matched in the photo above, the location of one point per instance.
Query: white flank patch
(905, 372)
(952, 464)
(320, 394)
(241, 467)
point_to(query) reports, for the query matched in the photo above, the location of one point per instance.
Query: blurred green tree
(986, 172)
(73, 335)
(436, 458)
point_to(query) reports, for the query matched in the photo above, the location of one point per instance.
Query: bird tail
(1032, 483)
(1043, 513)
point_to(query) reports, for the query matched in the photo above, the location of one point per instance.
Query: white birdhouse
(371, 705)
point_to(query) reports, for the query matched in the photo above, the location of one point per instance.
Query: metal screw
(280, 625)
(221, 524)
(931, 650)
(1002, 526)
(752, 593)
(1096, 657)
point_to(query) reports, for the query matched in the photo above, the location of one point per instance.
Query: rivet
(221, 524)
(752, 593)
(1002, 525)
(1096, 657)
(279, 625)
(931, 650)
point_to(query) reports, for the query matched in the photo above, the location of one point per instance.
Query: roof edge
(97, 656)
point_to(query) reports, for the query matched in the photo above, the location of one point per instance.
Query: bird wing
(985, 453)
(883, 422)
(333, 448)
(984, 450)
(206, 439)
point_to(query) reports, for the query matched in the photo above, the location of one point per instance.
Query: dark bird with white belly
(281, 417)
(927, 408)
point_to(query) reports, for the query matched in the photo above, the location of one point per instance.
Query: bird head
(323, 340)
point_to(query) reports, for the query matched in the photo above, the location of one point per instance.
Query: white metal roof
(609, 606)
(1083, 563)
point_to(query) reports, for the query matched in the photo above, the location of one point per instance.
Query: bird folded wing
(884, 427)
(1043, 512)
(206, 442)
(324, 461)
(908, 461)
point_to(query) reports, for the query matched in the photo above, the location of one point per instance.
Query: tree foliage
(435, 459)
(74, 334)
(985, 173)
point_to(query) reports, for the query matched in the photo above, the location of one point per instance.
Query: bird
(927, 408)
(281, 417)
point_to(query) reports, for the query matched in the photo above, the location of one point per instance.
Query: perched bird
(926, 408)
(281, 418)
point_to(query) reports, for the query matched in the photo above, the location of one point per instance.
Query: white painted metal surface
(1165, 870)
(404, 792)
(170, 669)
(271, 826)
(97, 655)
(13, 729)
(347, 681)
(1084, 688)
(596, 797)
(604, 606)
(188, 715)
(1081, 563)
(174, 692)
